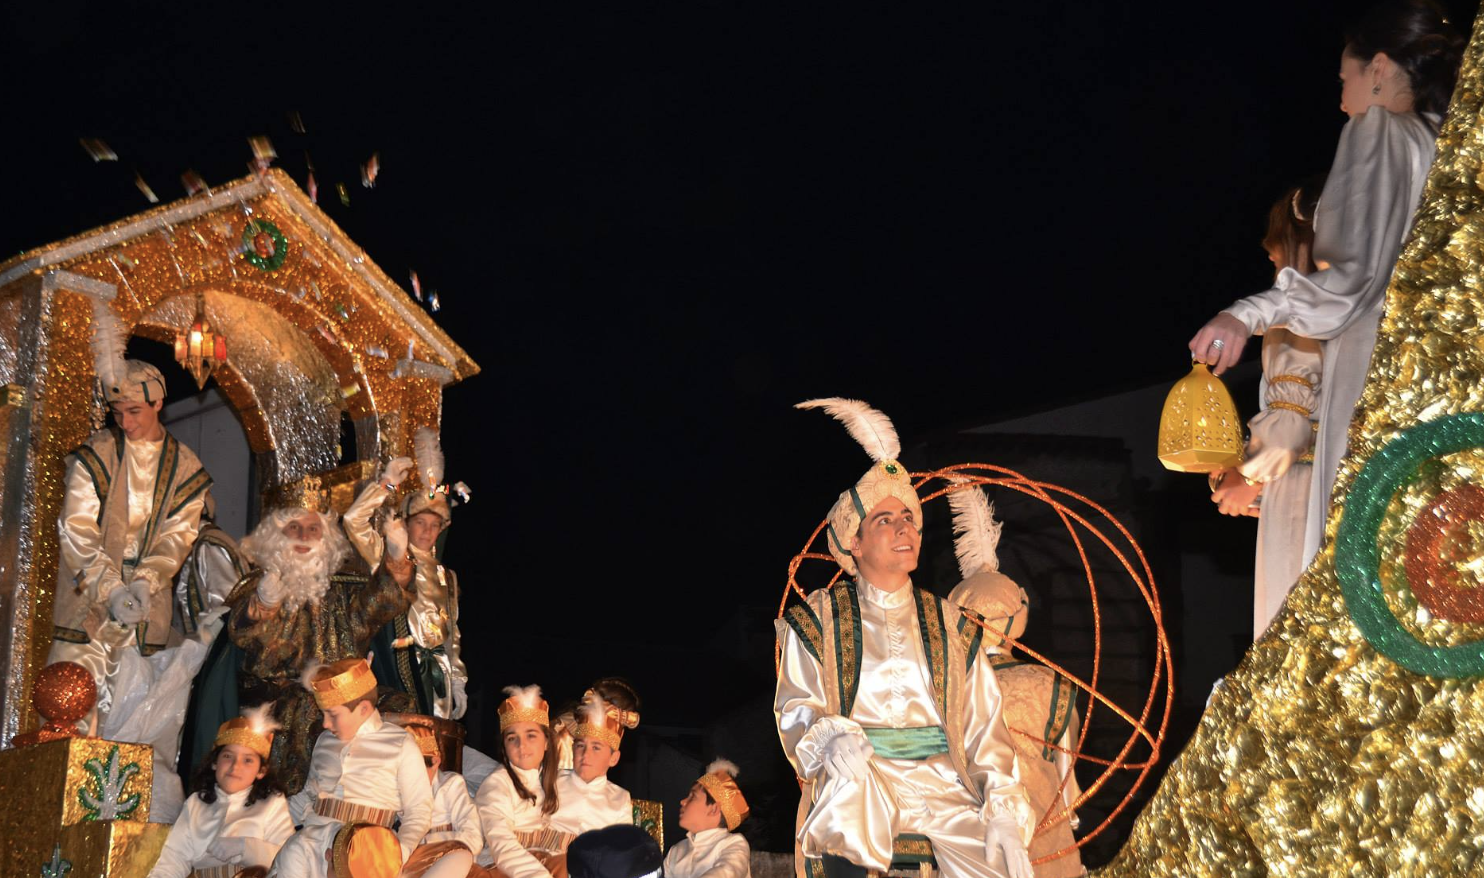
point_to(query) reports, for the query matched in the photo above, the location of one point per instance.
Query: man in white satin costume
(132, 507)
(893, 727)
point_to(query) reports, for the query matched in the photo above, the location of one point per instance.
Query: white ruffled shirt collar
(889, 599)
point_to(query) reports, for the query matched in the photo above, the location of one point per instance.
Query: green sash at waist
(922, 742)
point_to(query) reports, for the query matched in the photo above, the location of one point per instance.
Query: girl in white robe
(516, 802)
(237, 816)
(1278, 464)
(1397, 69)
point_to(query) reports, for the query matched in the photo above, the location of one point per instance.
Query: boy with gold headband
(892, 726)
(586, 798)
(449, 848)
(710, 815)
(365, 770)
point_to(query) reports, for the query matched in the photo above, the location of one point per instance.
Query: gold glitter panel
(650, 817)
(47, 791)
(1350, 741)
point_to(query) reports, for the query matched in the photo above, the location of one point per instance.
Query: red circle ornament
(1445, 555)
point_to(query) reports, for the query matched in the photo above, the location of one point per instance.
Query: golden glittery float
(313, 332)
(1350, 741)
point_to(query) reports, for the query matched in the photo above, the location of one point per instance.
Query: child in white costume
(586, 798)
(517, 800)
(710, 816)
(449, 848)
(238, 817)
(365, 770)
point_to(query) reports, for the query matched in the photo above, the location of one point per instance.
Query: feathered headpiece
(720, 781)
(888, 478)
(987, 593)
(122, 379)
(338, 682)
(524, 704)
(431, 493)
(597, 718)
(253, 730)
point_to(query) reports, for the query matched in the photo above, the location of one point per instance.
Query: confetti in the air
(296, 122)
(98, 150)
(144, 187)
(313, 188)
(344, 194)
(434, 304)
(263, 152)
(193, 182)
(349, 390)
(377, 350)
(417, 287)
(463, 491)
(370, 169)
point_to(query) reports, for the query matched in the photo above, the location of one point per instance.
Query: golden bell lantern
(199, 350)
(1199, 430)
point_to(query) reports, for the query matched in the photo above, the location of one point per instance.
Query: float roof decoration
(260, 238)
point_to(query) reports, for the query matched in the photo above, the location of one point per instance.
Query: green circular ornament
(264, 245)
(1358, 557)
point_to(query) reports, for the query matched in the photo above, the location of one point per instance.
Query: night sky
(657, 226)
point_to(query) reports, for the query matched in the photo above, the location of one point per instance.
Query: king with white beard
(294, 609)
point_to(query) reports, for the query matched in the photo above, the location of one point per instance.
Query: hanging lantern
(1199, 430)
(199, 350)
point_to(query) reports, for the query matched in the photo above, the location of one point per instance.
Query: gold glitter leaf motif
(1321, 755)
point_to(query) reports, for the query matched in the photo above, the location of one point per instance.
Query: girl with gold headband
(516, 802)
(237, 816)
(710, 815)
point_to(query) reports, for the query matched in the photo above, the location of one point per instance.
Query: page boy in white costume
(455, 838)
(514, 807)
(132, 506)
(710, 815)
(887, 718)
(426, 640)
(364, 770)
(246, 820)
(586, 798)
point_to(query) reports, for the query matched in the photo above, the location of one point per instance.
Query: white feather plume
(260, 719)
(525, 696)
(976, 534)
(726, 765)
(306, 679)
(872, 429)
(592, 712)
(429, 455)
(109, 342)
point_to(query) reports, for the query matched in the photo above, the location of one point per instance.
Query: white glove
(227, 849)
(460, 699)
(1002, 836)
(126, 608)
(846, 755)
(395, 531)
(271, 589)
(396, 471)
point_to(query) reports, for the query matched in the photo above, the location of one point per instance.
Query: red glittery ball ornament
(64, 693)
